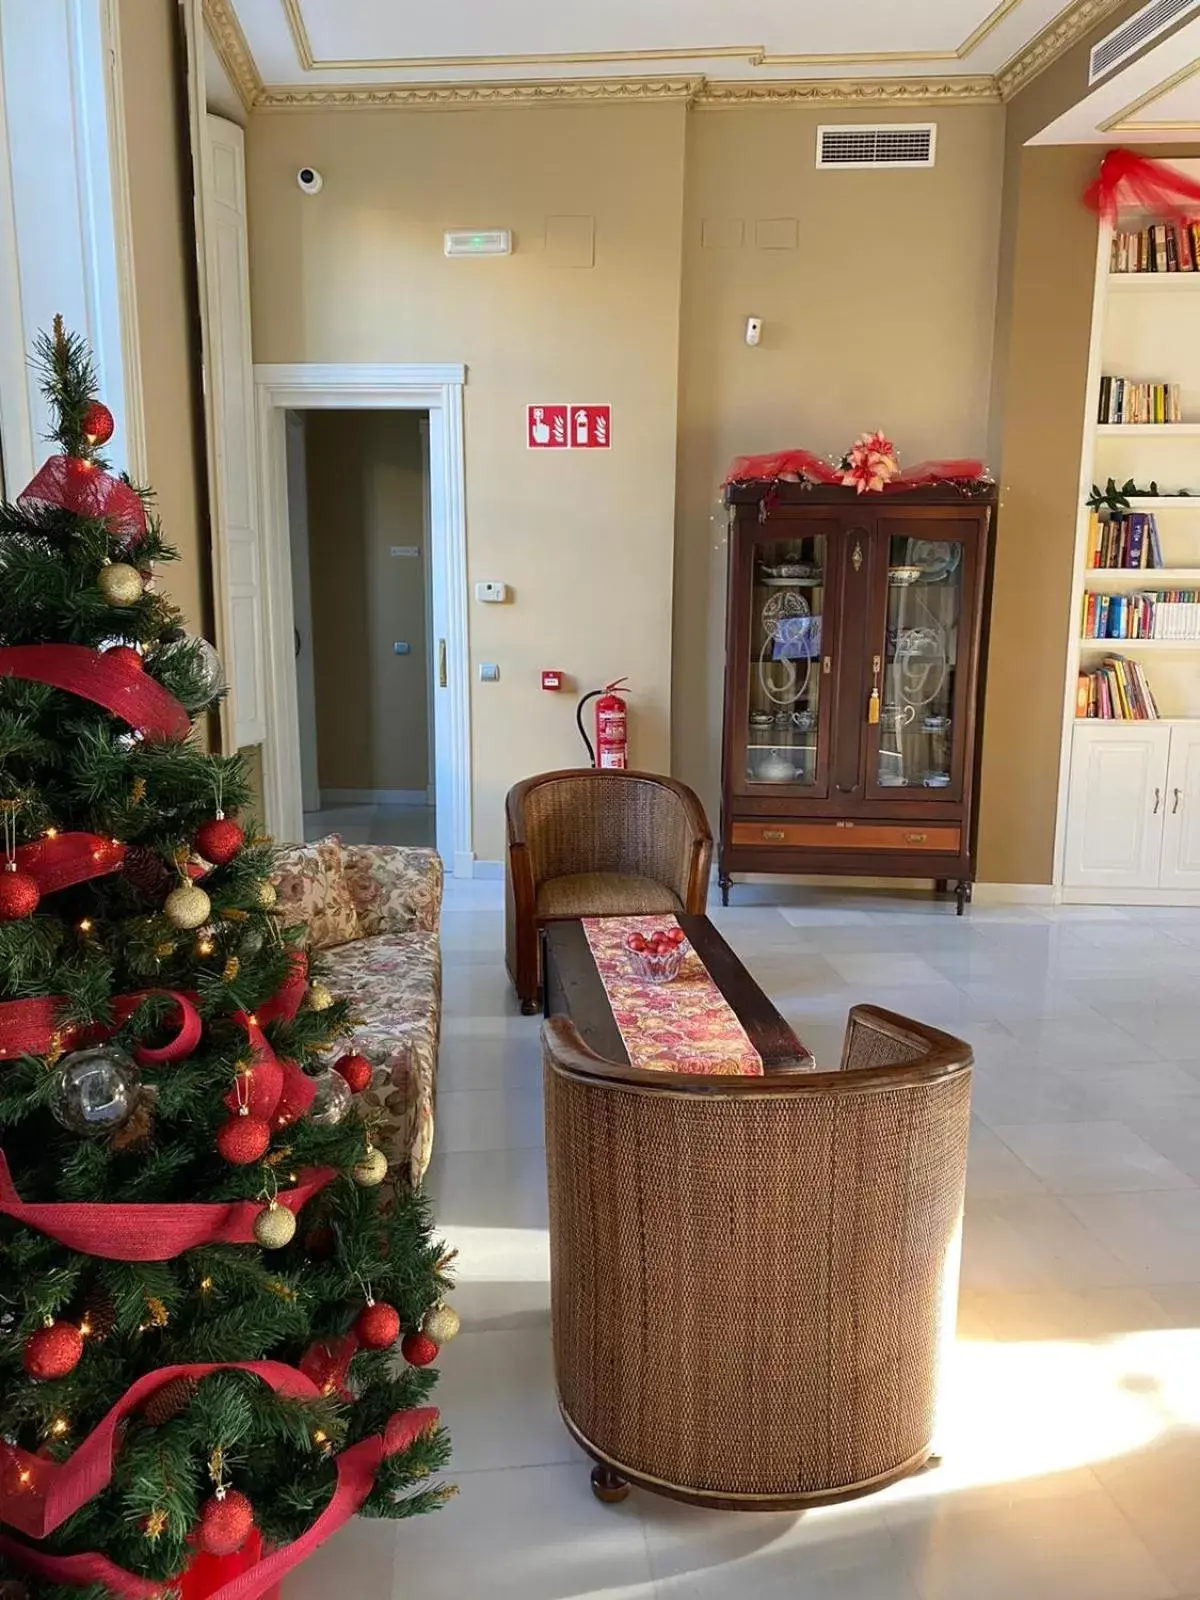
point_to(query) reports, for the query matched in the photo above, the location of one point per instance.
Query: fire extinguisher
(611, 749)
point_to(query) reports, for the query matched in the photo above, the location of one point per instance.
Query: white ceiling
(1155, 99)
(324, 43)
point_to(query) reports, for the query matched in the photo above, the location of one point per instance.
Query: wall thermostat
(492, 593)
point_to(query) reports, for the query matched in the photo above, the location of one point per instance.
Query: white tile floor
(1072, 1414)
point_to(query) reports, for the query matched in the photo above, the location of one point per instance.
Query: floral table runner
(683, 1026)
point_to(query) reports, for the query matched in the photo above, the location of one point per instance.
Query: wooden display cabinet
(853, 681)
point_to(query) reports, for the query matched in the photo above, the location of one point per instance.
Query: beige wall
(881, 316)
(164, 269)
(357, 274)
(366, 495)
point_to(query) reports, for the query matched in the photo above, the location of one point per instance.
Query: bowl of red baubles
(657, 956)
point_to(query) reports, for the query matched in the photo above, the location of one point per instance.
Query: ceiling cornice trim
(698, 92)
(754, 55)
(1080, 17)
(225, 31)
(1125, 120)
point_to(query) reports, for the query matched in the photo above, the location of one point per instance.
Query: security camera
(310, 180)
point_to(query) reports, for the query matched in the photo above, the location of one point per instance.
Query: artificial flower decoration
(870, 463)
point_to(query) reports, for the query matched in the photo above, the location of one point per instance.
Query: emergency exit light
(479, 242)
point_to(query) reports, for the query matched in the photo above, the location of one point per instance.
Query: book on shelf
(1162, 247)
(1116, 691)
(1126, 400)
(1147, 614)
(1123, 539)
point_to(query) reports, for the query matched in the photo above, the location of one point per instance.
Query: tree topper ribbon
(69, 483)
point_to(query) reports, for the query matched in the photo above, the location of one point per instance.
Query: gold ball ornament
(370, 1172)
(120, 584)
(266, 894)
(274, 1226)
(187, 907)
(441, 1323)
(319, 997)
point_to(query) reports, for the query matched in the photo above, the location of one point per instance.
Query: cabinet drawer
(941, 838)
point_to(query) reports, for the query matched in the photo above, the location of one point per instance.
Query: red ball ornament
(19, 895)
(356, 1070)
(126, 656)
(54, 1351)
(378, 1327)
(418, 1349)
(225, 1524)
(242, 1140)
(219, 839)
(98, 423)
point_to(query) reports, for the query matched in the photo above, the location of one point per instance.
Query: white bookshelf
(1129, 792)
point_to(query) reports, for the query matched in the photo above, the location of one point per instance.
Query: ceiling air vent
(894, 144)
(1134, 34)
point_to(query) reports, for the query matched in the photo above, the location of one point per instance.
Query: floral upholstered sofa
(373, 912)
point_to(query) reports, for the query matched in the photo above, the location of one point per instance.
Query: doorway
(329, 397)
(358, 512)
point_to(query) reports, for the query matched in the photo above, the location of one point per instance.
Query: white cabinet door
(1181, 813)
(1116, 806)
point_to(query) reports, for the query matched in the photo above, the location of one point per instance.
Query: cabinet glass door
(784, 737)
(917, 702)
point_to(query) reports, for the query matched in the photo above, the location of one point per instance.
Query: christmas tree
(203, 1271)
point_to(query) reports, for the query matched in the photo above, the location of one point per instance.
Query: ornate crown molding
(1066, 29)
(828, 93)
(229, 42)
(451, 96)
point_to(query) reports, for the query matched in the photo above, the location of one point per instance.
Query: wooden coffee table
(572, 988)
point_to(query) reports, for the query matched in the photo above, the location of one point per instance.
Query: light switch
(489, 672)
(491, 593)
(402, 648)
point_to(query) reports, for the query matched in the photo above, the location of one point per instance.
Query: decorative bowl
(901, 577)
(653, 967)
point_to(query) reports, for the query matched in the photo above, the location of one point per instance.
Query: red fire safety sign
(569, 427)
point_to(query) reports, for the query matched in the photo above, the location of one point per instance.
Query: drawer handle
(773, 833)
(915, 838)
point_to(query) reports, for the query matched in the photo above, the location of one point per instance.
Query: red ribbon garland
(1133, 180)
(31, 1027)
(127, 691)
(37, 1496)
(356, 1470)
(146, 1232)
(802, 464)
(66, 859)
(69, 483)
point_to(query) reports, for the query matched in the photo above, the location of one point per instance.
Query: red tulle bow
(66, 859)
(34, 1028)
(1126, 179)
(69, 483)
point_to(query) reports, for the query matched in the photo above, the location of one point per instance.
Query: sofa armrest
(396, 888)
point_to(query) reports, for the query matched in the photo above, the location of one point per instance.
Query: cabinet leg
(608, 1486)
(726, 883)
(963, 894)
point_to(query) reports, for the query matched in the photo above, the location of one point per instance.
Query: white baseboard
(493, 870)
(1130, 897)
(374, 797)
(1015, 894)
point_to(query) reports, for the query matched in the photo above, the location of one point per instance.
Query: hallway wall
(366, 496)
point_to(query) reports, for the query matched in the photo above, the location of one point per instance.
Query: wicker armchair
(752, 1278)
(589, 843)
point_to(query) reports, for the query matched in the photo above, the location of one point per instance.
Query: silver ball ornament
(274, 1226)
(96, 1090)
(206, 671)
(187, 907)
(120, 584)
(331, 1101)
(370, 1172)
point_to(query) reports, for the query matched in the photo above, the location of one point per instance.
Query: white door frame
(437, 389)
